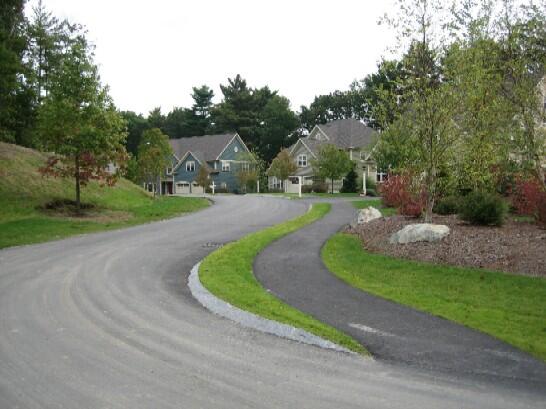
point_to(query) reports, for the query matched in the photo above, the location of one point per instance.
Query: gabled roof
(346, 133)
(204, 148)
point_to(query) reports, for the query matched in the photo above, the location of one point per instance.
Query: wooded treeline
(469, 69)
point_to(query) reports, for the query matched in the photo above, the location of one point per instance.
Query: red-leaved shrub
(399, 193)
(527, 196)
(393, 191)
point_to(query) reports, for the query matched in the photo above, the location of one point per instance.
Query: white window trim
(302, 160)
(169, 170)
(226, 166)
(190, 164)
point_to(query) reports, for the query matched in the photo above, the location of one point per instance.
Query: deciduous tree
(79, 123)
(282, 166)
(154, 155)
(331, 163)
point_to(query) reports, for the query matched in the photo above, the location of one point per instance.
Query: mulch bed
(516, 247)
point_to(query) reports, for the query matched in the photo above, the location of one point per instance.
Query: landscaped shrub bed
(516, 247)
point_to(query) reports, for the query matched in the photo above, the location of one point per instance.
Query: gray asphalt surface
(292, 269)
(106, 321)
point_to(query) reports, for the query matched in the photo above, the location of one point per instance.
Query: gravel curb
(249, 320)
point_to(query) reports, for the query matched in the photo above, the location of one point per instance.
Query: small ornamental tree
(248, 171)
(78, 122)
(202, 178)
(332, 163)
(282, 166)
(154, 152)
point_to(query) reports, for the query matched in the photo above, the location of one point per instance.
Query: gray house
(223, 155)
(351, 135)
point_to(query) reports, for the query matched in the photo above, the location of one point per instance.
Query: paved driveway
(106, 321)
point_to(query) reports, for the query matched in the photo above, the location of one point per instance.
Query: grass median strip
(227, 273)
(509, 307)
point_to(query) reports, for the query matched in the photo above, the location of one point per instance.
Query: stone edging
(250, 320)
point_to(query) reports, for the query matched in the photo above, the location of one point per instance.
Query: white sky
(151, 53)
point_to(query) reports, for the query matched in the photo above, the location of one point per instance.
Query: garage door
(196, 189)
(182, 188)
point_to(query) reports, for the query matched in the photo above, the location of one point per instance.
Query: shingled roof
(348, 133)
(205, 148)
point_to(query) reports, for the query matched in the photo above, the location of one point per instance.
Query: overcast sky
(151, 53)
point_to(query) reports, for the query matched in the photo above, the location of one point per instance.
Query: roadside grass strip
(227, 273)
(135, 209)
(509, 307)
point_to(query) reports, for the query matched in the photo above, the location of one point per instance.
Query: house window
(226, 166)
(190, 166)
(302, 161)
(245, 166)
(275, 183)
(169, 170)
(381, 177)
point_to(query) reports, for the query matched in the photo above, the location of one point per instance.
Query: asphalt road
(292, 269)
(106, 321)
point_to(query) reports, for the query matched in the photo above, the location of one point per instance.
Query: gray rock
(368, 214)
(419, 232)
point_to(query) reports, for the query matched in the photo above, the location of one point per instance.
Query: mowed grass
(509, 307)
(385, 211)
(227, 273)
(24, 192)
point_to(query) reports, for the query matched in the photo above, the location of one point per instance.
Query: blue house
(223, 155)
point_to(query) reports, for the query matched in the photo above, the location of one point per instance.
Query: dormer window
(190, 166)
(302, 161)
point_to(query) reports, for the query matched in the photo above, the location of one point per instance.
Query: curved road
(106, 321)
(292, 269)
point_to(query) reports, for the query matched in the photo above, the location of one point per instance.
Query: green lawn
(385, 211)
(227, 273)
(24, 192)
(509, 307)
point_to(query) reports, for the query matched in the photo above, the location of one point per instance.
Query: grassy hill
(25, 196)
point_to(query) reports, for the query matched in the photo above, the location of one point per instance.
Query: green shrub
(306, 189)
(319, 187)
(483, 209)
(371, 192)
(371, 184)
(447, 205)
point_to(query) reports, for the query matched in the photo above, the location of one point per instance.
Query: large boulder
(368, 214)
(419, 232)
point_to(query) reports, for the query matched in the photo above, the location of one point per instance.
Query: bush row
(526, 197)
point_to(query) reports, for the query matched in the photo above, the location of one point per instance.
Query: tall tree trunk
(77, 177)
(332, 186)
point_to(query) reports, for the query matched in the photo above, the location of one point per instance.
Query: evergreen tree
(15, 97)
(199, 120)
(350, 183)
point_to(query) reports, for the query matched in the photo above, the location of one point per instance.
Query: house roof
(204, 148)
(347, 133)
